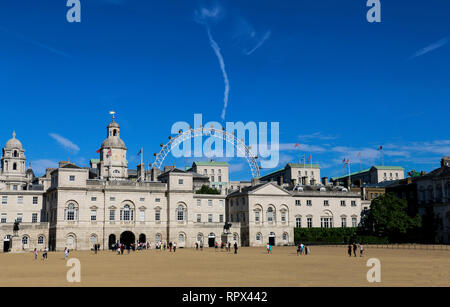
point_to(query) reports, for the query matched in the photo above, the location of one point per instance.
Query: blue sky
(335, 83)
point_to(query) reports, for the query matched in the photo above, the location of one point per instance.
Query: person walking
(306, 250)
(355, 247)
(174, 247)
(361, 249)
(66, 253)
(349, 249)
(229, 246)
(201, 246)
(235, 247)
(44, 255)
(302, 247)
(35, 254)
(299, 249)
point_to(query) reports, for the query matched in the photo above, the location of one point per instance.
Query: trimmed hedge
(334, 236)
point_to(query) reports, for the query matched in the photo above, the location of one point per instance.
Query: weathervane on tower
(113, 113)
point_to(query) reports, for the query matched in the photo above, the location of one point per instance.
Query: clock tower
(113, 154)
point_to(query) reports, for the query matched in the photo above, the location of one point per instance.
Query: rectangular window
(309, 202)
(342, 203)
(325, 203)
(257, 216)
(93, 198)
(180, 181)
(309, 222)
(93, 215)
(220, 178)
(157, 200)
(343, 222)
(199, 218)
(283, 216)
(20, 200)
(210, 218)
(354, 222)
(297, 202)
(112, 199)
(4, 200)
(212, 178)
(298, 222)
(72, 178)
(15, 187)
(221, 203)
(326, 222)
(353, 203)
(35, 200)
(142, 199)
(19, 217)
(142, 215)
(199, 203)
(3, 218)
(157, 215)
(209, 202)
(112, 215)
(34, 218)
(221, 218)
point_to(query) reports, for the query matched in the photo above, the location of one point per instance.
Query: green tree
(388, 217)
(207, 190)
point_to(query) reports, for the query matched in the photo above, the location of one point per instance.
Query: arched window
(270, 214)
(258, 236)
(180, 213)
(200, 237)
(158, 237)
(14, 166)
(285, 236)
(235, 236)
(40, 240)
(127, 213)
(114, 132)
(15, 154)
(24, 240)
(181, 237)
(71, 212)
(93, 239)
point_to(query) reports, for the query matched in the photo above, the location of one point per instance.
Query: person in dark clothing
(355, 247)
(235, 247)
(349, 250)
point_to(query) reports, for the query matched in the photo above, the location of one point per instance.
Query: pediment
(270, 189)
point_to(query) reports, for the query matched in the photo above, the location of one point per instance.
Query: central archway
(199, 132)
(127, 238)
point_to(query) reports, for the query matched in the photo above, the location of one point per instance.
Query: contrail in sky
(216, 49)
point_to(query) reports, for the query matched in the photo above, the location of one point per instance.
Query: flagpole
(142, 155)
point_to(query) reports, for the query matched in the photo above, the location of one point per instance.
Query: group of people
(354, 247)
(44, 254)
(223, 246)
(302, 249)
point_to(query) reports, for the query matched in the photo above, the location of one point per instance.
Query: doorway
(111, 241)
(272, 239)
(127, 238)
(7, 244)
(211, 240)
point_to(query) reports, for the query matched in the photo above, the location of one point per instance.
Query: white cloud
(259, 43)
(67, 144)
(430, 48)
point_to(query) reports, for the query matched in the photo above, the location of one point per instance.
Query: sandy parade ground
(252, 267)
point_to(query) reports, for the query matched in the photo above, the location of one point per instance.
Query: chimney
(255, 181)
(325, 180)
(280, 180)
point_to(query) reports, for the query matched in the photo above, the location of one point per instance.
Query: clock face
(116, 157)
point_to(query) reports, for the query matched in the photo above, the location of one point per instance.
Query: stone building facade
(77, 207)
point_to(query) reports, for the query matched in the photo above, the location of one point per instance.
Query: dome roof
(113, 124)
(113, 142)
(13, 143)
